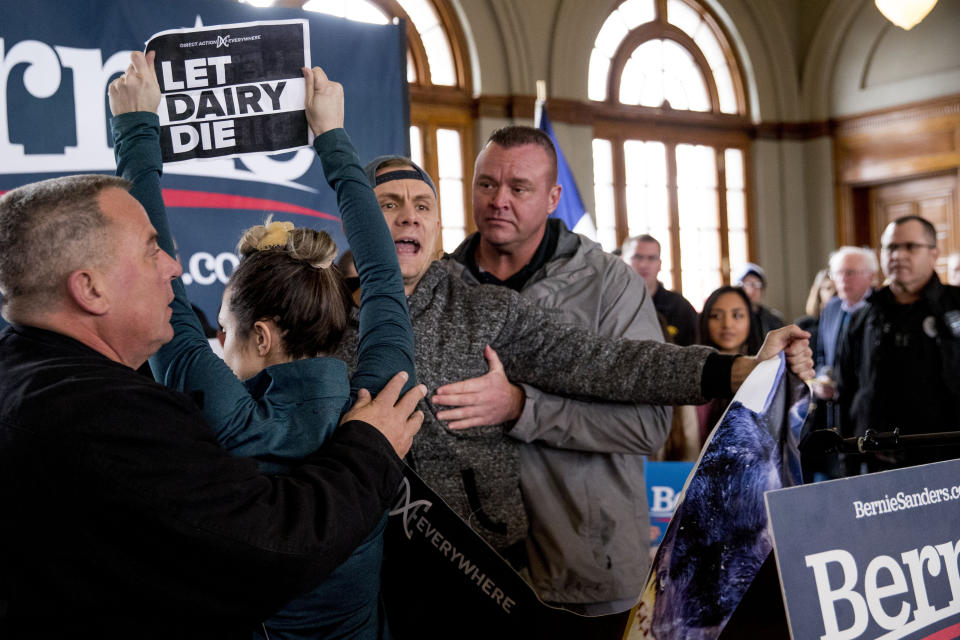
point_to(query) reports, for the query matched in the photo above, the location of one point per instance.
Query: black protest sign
(442, 580)
(231, 89)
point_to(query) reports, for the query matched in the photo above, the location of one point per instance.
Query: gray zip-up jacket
(477, 470)
(581, 467)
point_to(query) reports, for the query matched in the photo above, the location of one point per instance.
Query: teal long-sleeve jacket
(288, 410)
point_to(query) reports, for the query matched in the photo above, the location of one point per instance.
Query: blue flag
(570, 209)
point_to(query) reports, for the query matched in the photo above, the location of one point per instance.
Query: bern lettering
(664, 499)
(883, 580)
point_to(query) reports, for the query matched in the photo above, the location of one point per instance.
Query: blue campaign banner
(665, 482)
(57, 58)
(874, 556)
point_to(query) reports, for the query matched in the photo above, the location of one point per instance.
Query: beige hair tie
(275, 236)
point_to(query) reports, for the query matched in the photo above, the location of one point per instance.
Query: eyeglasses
(909, 247)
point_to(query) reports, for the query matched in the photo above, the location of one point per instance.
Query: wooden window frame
(619, 123)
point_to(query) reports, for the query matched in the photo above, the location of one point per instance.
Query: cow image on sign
(718, 540)
(232, 89)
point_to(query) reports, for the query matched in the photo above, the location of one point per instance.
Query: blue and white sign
(665, 482)
(57, 58)
(874, 556)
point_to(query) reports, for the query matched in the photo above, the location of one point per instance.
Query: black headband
(401, 174)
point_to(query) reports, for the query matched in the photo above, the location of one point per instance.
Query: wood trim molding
(793, 130)
(888, 145)
(576, 112)
(911, 112)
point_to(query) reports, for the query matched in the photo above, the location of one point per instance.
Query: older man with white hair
(853, 271)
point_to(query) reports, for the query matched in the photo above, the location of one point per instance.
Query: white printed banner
(232, 89)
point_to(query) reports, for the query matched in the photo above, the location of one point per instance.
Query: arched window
(671, 143)
(441, 95)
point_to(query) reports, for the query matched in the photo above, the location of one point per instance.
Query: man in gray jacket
(589, 528)
(460, 329)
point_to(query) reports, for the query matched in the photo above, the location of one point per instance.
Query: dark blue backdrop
(57, 58)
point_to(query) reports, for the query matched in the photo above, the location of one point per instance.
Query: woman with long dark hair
(725, 326)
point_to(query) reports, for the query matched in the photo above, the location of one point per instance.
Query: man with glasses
(642, 253)
(900, 363)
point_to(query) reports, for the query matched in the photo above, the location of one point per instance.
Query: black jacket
(120, 516)
(899, 367)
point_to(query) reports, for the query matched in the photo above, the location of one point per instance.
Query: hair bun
(316, 248)
(270, 235)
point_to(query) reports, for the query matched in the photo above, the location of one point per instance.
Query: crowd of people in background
(886, 344)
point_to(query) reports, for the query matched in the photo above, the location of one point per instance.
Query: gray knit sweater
(476, 470)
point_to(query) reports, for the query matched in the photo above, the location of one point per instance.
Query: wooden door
(933, 198)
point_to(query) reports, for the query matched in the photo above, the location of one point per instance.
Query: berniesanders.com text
(903, 501)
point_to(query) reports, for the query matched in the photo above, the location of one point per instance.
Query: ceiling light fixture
(906, 14)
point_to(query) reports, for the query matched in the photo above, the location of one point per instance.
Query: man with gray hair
(123, 518)
(853, 271)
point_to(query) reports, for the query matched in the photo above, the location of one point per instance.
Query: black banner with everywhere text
(442, 580)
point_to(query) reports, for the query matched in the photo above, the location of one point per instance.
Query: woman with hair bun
(276, 396)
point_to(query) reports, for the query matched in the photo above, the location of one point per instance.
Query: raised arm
(186, 363)
(385, 340)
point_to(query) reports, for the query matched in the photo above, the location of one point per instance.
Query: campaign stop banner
(664, 482)
(441, 579)
(232, 89)
(871, 557)
(718, 539)
(57, 59)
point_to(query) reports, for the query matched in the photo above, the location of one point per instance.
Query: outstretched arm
(186, 363)
(492, 398)
(385, 341)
